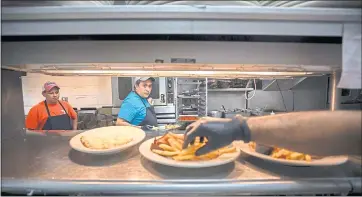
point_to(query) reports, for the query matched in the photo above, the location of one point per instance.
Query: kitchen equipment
(223, 83)
(161, 89)
(87, 118)
(231, 114)
(104, 120)
(212, 83)
(217, 114)
(186, 120)
(88, 109)
(238, 83)
(170, 90)
(191, 96)
(165, 114)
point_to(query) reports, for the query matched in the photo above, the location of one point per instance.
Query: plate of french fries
(291, 158)
(167, 150)
(107, 140)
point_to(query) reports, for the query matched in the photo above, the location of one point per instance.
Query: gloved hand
(219, 132)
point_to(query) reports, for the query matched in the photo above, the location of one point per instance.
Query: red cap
(49, 85)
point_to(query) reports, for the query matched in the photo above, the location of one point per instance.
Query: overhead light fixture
(182, 66)
(176, 73)
(179, 70)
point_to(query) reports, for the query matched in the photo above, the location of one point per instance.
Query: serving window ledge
(38, 164)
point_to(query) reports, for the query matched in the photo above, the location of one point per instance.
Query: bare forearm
(318, 132)
(75, 124)
(121, 122)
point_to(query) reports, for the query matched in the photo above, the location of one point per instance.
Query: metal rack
(191, 96)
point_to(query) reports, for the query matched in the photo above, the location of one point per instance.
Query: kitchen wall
(311, 94)
(230, 100)
(11, 105)
(272, 100)
(81, 91)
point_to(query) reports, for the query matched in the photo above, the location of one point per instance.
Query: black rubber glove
(218, 133)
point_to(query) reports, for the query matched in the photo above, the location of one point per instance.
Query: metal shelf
(199, 99)
(188, 97)
(190, 83)
(231, 90)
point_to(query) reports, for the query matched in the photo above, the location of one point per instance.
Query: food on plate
(188, 118)
(104, 142)
(170, 145)
(172, 126)
(281, 153)
(167, 127)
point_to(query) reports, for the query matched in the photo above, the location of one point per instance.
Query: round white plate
(146, 152)
(325, 161)
(135, 133)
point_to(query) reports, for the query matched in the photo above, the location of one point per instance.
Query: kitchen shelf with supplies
(191, 96)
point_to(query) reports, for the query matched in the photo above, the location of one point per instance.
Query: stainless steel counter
(47, 164)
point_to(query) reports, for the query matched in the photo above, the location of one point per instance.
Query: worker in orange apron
(51, 114)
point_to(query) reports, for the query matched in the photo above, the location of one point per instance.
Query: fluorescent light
(182, 66)
(180, 70)
(177, 73)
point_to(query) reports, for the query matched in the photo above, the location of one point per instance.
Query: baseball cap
(144, 79)
(49, 85)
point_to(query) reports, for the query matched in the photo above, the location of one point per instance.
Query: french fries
(167, 147)
(170, 145)
(178, 137)
(174, 143)
(164, 153)
(281, 153)
(227, 150)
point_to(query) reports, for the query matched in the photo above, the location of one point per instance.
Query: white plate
(325, 161)
(148, 154)
(135, 133)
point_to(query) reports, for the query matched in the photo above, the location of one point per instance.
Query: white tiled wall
(81, 91)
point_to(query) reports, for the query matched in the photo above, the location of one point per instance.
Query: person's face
(144, 88)
(52, 96)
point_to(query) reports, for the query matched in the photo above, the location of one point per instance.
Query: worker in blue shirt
(136, 109)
